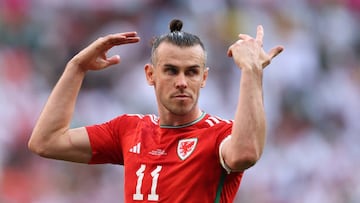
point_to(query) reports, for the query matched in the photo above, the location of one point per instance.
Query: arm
(51, 136)
(246, 144)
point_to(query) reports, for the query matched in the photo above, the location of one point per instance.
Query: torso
(174, 164)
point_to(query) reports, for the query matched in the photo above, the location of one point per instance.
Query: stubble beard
(180, 108)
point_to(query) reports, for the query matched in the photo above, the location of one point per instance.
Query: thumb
(275, 51)
(229, 52)
(113, 60)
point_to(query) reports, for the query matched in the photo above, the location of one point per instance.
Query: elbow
(36, 147)
(244, 161)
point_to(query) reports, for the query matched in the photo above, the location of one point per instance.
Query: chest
(162, 163)
(169, 146)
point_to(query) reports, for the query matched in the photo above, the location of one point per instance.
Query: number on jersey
(140, 174)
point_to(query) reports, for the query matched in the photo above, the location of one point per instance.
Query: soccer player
(182, 155)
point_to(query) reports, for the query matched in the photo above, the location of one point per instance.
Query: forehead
(168, 53)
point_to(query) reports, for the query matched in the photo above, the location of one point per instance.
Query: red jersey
(167, 163)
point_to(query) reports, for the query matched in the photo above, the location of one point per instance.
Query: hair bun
(176, 25)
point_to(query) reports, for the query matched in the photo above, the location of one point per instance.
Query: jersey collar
(186, 124)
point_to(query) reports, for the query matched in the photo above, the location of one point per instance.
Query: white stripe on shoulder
(138, 115)
(154, 119)
(213, 120)
(225, 120)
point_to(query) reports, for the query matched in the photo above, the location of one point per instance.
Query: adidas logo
(135, 149)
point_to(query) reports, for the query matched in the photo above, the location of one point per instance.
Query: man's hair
(176, 37)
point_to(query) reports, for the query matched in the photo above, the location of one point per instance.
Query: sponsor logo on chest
(185, 147)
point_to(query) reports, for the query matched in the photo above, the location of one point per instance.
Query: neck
(171, 119)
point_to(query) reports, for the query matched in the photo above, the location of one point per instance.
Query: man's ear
(149, 73)
(206, 72)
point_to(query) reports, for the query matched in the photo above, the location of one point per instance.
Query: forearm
(52, 136)
(248, 133)
(56, 116)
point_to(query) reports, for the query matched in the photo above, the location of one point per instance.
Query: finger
(275, 51)
(131, 40)
(113, 60)
(121, 35)
(260, 34)
(245, 36)
(229, 52)
(114, 40)
(103, 63)
(129, 34)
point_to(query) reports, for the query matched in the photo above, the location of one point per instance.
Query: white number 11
(140, 174)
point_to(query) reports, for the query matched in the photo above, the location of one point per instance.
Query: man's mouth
(180, 96)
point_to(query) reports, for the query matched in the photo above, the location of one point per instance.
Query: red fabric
(170, 164)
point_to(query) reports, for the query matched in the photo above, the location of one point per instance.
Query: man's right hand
(94, 56)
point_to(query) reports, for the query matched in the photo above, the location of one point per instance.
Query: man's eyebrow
(170, 65)
(194, 66)
(167, 65)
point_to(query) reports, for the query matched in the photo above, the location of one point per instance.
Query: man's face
(178, 74)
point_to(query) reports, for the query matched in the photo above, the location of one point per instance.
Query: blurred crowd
(311, 91)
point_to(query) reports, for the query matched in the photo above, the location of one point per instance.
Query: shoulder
(218, 127)
(215, 125)
(123, 123)
(136, 118)
(212, 121)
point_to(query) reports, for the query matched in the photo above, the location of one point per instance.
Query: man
(185, 154)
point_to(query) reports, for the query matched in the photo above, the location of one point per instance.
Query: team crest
(186, 147)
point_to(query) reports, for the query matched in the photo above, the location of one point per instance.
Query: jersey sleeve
(224, 135)
(222, 161)
(105, 140)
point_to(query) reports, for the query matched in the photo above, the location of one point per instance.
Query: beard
(179, 107)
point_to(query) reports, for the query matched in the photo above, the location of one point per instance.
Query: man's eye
(171, 71)
(192, 72)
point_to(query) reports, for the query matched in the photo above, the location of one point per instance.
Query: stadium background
(312, 91)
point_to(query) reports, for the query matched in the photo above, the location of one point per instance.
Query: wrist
(75, 70)
(254, 68)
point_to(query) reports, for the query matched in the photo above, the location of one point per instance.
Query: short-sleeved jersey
(166, 163)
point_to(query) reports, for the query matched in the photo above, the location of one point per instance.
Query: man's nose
(180, 81)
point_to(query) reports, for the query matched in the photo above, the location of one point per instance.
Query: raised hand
(248, 52)
(94, 56)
